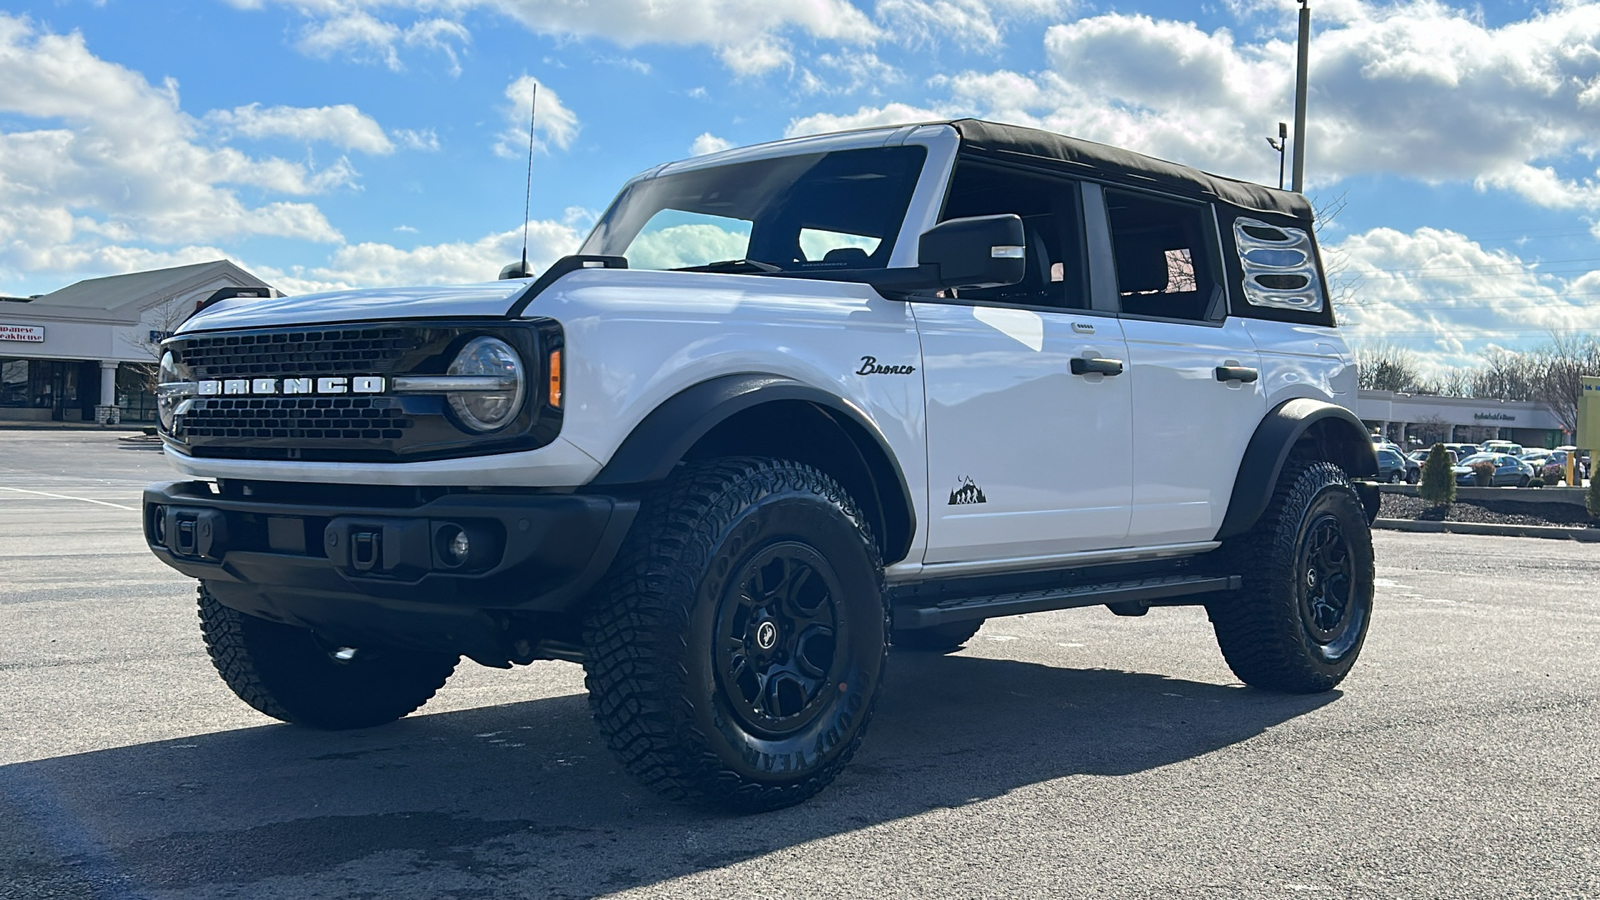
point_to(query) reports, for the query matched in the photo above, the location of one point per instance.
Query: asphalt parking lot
(1070, 754)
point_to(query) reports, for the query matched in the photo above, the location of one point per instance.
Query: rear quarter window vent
(1280, 271)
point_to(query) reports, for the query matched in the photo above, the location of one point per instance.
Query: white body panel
(1049, 450)
(1192, 429)
(1303, 361)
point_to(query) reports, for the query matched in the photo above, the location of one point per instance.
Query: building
(1414, 420)
(94, 343)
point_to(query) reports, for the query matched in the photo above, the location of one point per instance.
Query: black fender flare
(1346, 442)
(662, 439)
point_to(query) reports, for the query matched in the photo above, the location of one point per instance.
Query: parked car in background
(1508, 470)
(1421, 456)
(1552, 466)
(1393, 467)
(1462, 451)
(1509, 448)
(1583, 464)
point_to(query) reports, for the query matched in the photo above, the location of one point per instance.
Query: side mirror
(978, 252)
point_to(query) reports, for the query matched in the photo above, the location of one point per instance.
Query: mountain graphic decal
(967, 492)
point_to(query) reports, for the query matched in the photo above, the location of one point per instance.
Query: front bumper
(381, 567)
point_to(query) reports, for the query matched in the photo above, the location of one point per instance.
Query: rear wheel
(735, 651)
(945, 638)
(1299, 621)
(291, 674)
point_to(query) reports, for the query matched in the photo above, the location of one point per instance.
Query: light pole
(1279, 145)
(1300, 99)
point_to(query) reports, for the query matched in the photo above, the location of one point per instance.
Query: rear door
(1194, 371)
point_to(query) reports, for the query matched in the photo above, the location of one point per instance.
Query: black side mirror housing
(977, 252)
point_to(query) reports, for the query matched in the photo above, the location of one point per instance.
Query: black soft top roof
(1127, 166)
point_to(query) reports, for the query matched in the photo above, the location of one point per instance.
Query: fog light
(454, 545)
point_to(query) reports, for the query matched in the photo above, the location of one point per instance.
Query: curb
(1585, 535)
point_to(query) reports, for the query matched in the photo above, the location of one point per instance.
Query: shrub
(1592, 499)
(1438, 483)
(1483, 473)
(1536, 481)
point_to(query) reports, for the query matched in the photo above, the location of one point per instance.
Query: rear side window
(1163, 259)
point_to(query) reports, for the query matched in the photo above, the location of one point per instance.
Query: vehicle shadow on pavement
(524, 800)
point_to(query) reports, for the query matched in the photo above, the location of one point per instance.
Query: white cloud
(372, 264)
(343, 125)
(866, 117)
(365, 38)
(1442, 294)
(1417, 89)
(558, 124)
(709, 143)
(980, 23)
(421, 139)
(748, 35)
(107, 157)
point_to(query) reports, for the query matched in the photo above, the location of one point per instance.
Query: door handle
(1084, 366)
(1243, 374)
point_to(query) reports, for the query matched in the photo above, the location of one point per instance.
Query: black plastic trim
(559, 269)
(666, 435)
(1269, 449)
(543, 551)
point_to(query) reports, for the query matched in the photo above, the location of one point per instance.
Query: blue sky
(330, 143)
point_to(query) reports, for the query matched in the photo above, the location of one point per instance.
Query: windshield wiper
(736, 266)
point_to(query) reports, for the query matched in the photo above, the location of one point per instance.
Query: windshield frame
(940, 142)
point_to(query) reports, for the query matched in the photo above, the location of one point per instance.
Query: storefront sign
(27, 334)
(1589, 414)
(1494, 417)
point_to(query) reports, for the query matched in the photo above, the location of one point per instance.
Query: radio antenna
(527, 197)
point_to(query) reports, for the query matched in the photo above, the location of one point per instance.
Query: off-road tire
(681, 679)
(1288, 629)
(291, 675)
(946, 638)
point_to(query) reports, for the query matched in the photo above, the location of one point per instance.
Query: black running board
(1124, 597)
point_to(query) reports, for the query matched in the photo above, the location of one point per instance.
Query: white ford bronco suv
(788, 405)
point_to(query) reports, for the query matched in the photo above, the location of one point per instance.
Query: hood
(493, 298)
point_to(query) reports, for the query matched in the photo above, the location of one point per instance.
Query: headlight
(172, 389)
(487, 410)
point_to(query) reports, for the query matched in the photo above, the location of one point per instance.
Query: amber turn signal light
(555, 378)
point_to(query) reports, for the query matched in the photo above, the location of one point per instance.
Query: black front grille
(331, 427)
(309, 352)
(298, 418)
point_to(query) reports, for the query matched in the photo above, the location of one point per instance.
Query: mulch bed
(1492, 512)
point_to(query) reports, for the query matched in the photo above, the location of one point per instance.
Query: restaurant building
(94, 344)
(1414, 420)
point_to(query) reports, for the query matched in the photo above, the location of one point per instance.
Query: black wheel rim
(778, 639)
(1327, 598)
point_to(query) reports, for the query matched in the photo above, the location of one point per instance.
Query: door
(1194, 372)
(1028, 424)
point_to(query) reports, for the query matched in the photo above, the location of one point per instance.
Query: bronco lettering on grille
(357, 384)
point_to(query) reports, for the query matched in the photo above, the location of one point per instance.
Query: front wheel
(1298, 623)
(291, 674)
(735, 651)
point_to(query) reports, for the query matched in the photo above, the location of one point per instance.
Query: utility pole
(1300, 99)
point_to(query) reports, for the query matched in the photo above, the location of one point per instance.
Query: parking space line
(65, 497)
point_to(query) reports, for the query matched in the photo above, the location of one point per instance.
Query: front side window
(1164, 267)
(815, 211)
(1048, 205)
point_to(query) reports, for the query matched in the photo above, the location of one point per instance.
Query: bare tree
(1381, 366)
(1560, 366)
(1341, 282)
(156, 325)
(1508, 375)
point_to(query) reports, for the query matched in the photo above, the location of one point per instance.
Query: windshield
(839, 210)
